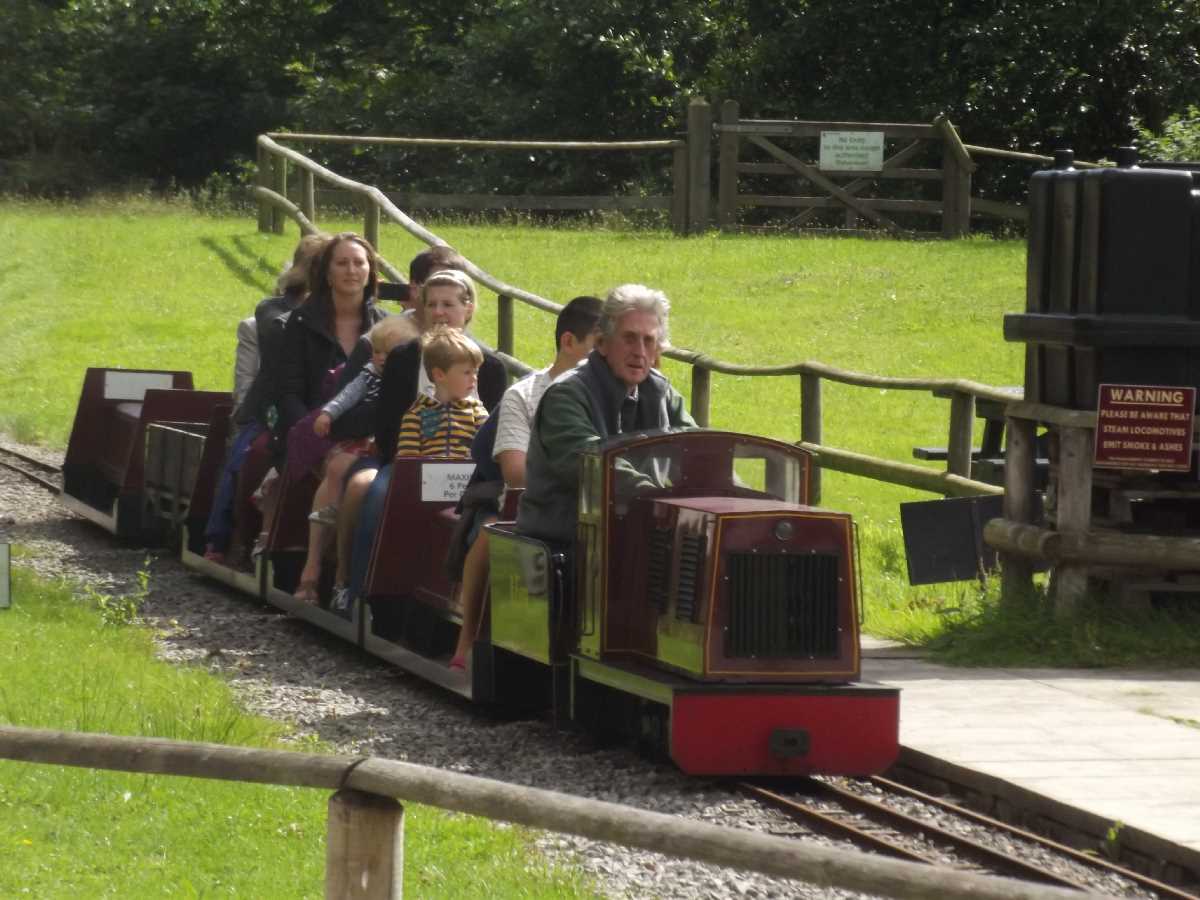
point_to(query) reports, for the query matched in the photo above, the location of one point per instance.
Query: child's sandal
(307, 592)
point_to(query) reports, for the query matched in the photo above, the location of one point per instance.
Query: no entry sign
(1142, 426)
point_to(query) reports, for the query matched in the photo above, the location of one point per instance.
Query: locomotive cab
(699, 555)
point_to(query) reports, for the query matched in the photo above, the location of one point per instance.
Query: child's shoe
(326, 515)
(340, 600)
(458, 664)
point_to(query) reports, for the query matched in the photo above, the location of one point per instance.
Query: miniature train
(713, 615)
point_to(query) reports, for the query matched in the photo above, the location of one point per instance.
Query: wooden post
(263, 179)
(949, 194)
(701, 380)
(962, 434)
(371, 222)
(279, 218)
(727, 185)
(963, 204)
(810, 428)
(957, 166)
(505, 328)
(364, 857)
(1074, 503)
(1016, 573)
(699, 119)
(679, 191)
(308, 195)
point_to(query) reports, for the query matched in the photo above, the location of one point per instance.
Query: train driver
(616, 390)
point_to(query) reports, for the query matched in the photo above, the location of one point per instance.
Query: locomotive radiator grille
(658, 567)
(691, 558)
(782, 605)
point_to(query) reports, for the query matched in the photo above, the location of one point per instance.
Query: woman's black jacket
(309, 352)
(270, 318)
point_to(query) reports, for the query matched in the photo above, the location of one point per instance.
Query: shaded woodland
(169, 95)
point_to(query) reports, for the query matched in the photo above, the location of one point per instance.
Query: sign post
(5, 576)
(1142, 426)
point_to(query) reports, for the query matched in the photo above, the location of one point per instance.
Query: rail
(954, 481)
(365, 824)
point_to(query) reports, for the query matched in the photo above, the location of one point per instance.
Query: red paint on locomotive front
(850, 731)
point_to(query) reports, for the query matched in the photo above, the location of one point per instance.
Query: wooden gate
(845, 188)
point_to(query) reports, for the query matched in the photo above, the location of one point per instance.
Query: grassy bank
(83, 833)
(140, 284)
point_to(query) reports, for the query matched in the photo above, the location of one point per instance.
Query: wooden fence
(690, 201)
(365, 825)
(954, 175)
(677, 203)
(955, 206)
(955, 480)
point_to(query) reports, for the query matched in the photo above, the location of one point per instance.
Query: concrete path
(1121, 744)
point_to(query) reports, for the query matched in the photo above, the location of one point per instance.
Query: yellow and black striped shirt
(430, 428)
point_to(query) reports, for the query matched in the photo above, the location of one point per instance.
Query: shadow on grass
(250, 275)
(263, 264)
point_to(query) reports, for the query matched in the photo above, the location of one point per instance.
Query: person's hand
(322, 424)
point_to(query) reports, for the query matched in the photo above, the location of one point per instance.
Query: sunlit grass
(72, 832)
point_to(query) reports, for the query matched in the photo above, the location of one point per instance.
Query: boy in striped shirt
(444, 424)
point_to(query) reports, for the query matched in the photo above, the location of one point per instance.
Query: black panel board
(943, 539)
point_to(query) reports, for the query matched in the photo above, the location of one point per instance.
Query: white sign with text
(444, 482)
(851, 151)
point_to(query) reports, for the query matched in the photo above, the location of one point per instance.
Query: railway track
(35, 470)
(823, 807)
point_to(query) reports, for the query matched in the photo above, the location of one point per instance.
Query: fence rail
(676, 203)
(365, 839)
(961, 392)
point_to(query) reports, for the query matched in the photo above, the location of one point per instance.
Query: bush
(1178, 140)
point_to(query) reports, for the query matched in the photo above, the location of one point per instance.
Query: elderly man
(615, 391)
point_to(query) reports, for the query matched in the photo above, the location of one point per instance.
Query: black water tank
(1113, 281)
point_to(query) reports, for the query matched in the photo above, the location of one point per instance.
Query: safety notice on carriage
(851, 151)
(1141, 426)
(444, 482)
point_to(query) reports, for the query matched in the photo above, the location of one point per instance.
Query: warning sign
(851, 151)
(1141, 426)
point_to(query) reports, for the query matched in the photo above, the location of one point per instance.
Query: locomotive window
(750, 472)
(591, 485)
(765, 470)
(636, 472)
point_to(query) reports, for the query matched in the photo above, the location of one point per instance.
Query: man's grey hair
(627, 298)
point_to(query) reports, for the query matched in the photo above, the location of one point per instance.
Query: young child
(444, 424)
(386, 334)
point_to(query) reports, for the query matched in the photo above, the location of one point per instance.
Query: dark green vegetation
(111, 92)
(153, 285)
(83, 833)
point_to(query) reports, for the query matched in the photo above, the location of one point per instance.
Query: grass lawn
(72, 832)
(152, 285)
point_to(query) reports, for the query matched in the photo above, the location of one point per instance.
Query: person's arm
(292, 382)
(348, 397)
(245, 365)
(564, 426)
(512, 467)
(677, 413)
(397, 390)
(512, 435)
